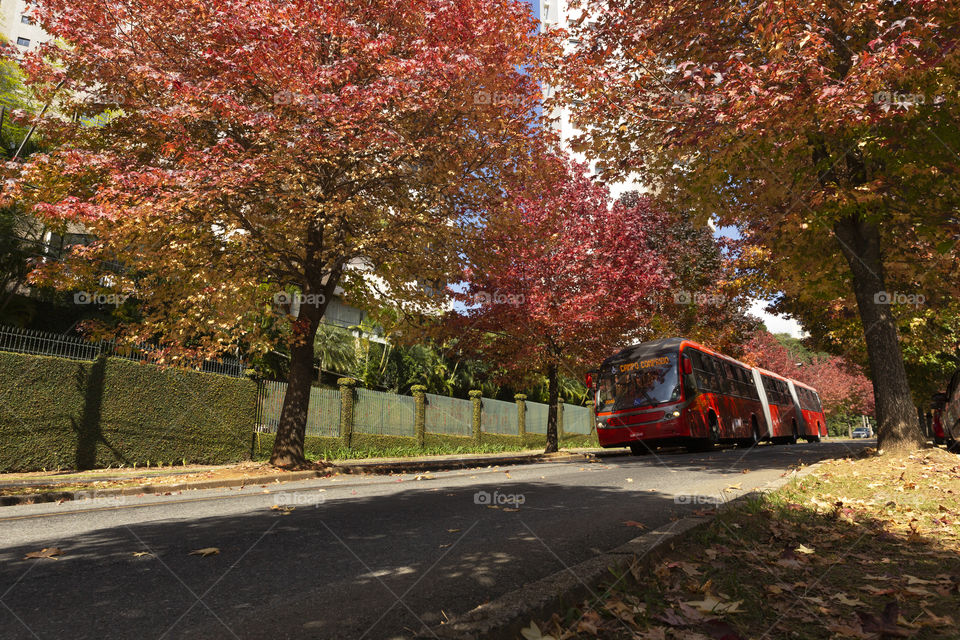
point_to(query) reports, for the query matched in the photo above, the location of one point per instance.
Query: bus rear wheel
(754, 438)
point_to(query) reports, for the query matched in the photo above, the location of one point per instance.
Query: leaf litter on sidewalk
(864, 548)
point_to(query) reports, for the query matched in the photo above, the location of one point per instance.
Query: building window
(23, 42)
(26, 19)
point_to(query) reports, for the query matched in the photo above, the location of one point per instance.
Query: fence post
(593, 419)
(477, 399)
(346, 409)
(559, 420)
(420, 413)
(521, 400)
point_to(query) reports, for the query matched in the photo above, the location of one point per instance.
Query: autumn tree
(563, 279)
(825, 130)
(707, 300)
(226, 153)
(843, 389)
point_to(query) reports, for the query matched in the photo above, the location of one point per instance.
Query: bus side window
(720, 376)
(741, 382)
(706, 376)
(750, 386)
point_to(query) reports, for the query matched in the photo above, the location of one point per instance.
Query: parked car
(861, 432)
(950, 416)
(937, 405)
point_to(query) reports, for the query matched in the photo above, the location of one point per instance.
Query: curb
(359, 468)
(505, 617)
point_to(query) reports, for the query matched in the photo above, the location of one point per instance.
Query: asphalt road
(372, 557)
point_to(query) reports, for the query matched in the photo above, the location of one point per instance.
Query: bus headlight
(676, 414)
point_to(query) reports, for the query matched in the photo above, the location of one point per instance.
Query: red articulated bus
(675, 391)
(813, 424)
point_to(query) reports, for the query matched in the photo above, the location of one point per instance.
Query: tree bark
(553, 393)
(292, 428)
(897, 424)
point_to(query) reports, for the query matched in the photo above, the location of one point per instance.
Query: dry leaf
(842, 598)
(51, 552)
(634, 523)
(711, 604)
(206, 551)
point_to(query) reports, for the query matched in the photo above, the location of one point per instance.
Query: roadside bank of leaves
(866, 548)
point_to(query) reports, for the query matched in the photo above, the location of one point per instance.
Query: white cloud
(776, 323)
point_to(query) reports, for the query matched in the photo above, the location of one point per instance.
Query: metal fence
(499, 417)
(536, 420)
(448, 416)
(577, 419)
(323, 413)
(44, 343)
(380, 413)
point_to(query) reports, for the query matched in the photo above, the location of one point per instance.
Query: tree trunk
(897, 424)
(554, 395)
(319, 283)
(292, 428)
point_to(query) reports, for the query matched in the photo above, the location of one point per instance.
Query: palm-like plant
(336, 349)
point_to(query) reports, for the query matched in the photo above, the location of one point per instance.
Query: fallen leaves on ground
(864, 549)
(206, 551)
(46, 552)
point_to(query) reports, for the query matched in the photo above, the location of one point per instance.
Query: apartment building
(18, 28)
(557, 14)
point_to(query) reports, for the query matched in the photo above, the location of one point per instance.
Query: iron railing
(44, 343)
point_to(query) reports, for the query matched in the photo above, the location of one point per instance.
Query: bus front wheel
(639, 449)
(699, 445)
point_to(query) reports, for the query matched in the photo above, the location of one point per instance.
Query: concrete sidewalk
(29, 488)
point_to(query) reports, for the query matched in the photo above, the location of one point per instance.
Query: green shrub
(373, 446)
(63, 414)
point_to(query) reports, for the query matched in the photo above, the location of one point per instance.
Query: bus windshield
(644, 383)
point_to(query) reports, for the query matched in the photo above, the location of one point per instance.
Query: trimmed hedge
(364, 444)
(64, 414)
